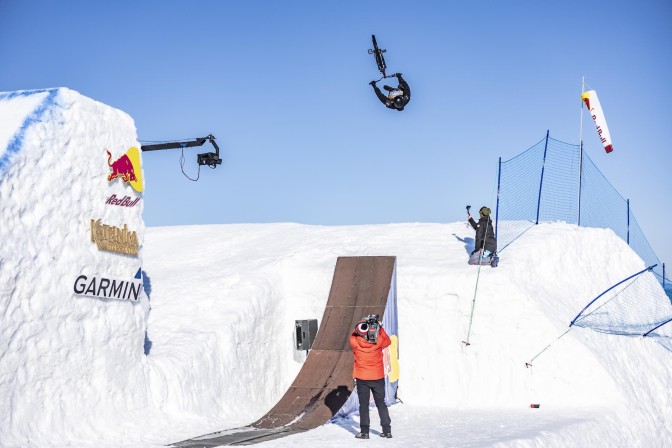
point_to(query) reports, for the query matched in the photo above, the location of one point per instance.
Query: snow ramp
(323, 388)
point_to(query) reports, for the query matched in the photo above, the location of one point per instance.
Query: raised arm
(383, 339)
(383, 99)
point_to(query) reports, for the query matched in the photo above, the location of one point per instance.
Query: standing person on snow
(398, 97)
(369, 374)
(485, 237)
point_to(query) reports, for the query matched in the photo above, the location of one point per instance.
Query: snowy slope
(224, 309)
(222, 320)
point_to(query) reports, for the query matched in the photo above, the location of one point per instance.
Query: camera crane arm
(209, 158)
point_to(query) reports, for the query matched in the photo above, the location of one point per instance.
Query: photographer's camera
(374, 326)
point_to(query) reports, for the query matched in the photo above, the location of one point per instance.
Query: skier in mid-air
(397, 97)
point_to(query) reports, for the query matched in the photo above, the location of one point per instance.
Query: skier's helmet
(362, 328)
(399, 102)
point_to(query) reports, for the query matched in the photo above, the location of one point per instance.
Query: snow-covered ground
(224, 299)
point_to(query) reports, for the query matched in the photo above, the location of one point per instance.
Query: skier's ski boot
(387, 435)
(362, 435)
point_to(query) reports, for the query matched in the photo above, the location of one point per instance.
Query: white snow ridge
(76, 369)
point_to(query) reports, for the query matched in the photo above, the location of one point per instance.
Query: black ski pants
(364, 390)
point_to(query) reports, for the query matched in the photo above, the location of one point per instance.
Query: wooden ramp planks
(360, 287)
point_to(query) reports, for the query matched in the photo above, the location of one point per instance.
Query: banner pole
(581, 149)
(583, 90)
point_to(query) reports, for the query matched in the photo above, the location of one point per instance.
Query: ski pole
(529, 363)
(478, 275)
(473, 302)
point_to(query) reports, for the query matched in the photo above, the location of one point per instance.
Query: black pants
(364, 389)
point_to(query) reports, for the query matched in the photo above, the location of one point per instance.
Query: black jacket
(484, 231)
(406, 95)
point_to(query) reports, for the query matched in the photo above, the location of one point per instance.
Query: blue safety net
(555, 181)
(632, 307)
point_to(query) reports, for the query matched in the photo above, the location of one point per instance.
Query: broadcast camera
(373, 326)
(209, 158)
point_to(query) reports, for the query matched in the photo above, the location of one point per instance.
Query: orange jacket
(369, 357)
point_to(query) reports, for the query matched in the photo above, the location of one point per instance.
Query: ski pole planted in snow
(529, 363)
(478, 275)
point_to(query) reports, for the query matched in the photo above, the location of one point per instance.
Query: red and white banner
(593, 105)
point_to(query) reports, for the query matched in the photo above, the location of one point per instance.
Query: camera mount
(210, 159)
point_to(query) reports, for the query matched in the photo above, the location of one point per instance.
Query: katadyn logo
(108, 288)
(127, 168)
(114, 239)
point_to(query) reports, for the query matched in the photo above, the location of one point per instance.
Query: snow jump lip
(360, 287)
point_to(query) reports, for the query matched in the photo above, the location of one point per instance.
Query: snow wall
(73, 314)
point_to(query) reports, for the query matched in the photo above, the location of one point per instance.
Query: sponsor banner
(114, 239)
(126, 201)
(127, 168)
(593, 105)
(107, 288)
(391, 353)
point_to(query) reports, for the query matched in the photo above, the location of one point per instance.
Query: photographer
(367, 342)
(486, 244)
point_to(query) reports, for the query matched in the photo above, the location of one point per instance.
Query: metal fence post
(628, 222)
(541, 181)
(499, 178)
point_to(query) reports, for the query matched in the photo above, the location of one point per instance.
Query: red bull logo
(126, 201)
(127, 168)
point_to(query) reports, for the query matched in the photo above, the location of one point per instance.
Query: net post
(628, 241)
(541, 181)
(499, 178)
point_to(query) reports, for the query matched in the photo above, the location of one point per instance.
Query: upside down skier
(486, 244)
(397, 97)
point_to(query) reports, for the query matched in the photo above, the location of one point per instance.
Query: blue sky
(284, 88)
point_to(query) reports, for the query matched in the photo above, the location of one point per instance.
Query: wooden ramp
(360, 287)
